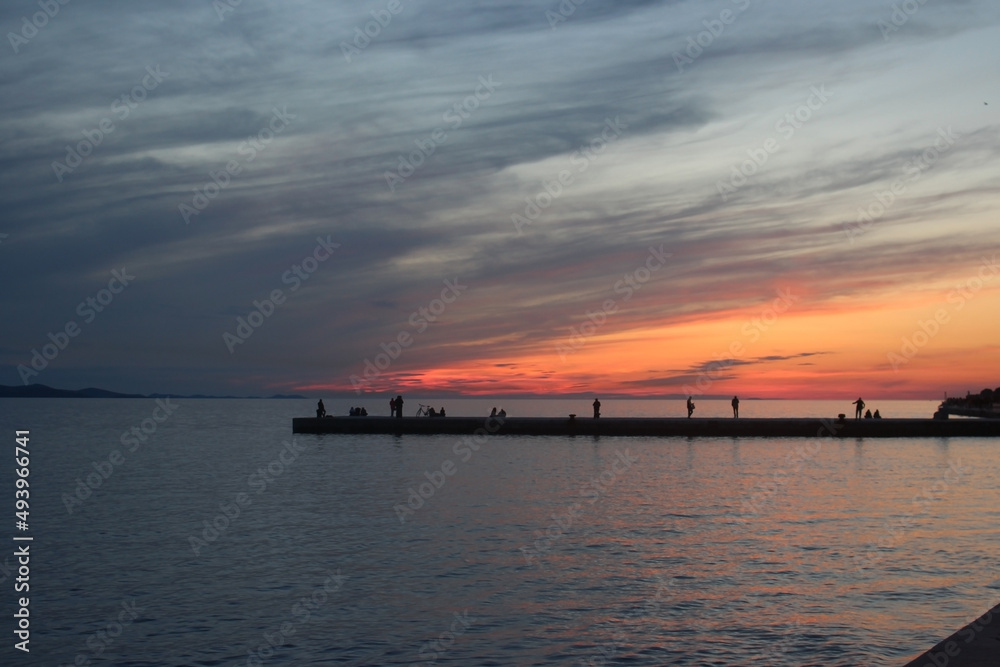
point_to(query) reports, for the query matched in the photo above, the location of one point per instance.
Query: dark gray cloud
(324, 174)
(712, 371)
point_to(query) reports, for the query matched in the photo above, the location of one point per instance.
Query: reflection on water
(638, 551)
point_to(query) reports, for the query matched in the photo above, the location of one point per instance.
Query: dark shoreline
(663, 427)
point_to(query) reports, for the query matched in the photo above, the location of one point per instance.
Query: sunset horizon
(507, 332)
(701, 201)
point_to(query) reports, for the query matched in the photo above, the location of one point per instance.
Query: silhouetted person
(320, 409)
(441, 413)
(868, 414)
(399, 407)
(597, 408)
(392, 407)
(502, 413)
(431, 413)
(494, 413)
(877, 415)
(861, 406)
(736, 407)
(690, 407)
(364, 412)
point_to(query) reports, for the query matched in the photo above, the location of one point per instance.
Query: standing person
(736, 407)
(320, 409)
(861, 406)
(690, 407)
(399, 406)
(597, 408)
(392, 407)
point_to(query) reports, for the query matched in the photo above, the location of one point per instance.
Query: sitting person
(877, 415)
(431, 413)
(364, 412)
(441, 412)
(493, 413)
(868, 414)
(502, 413)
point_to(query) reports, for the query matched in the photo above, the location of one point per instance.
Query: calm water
(533, 551)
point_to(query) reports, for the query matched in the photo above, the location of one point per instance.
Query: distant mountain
(44, 391)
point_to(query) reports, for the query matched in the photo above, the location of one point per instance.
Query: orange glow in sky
(895, 346)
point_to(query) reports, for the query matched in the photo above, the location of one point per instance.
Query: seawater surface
(383, 550)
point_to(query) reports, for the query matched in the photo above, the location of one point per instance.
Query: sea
(202, 532)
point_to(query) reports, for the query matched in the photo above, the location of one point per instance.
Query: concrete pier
(975, 645)
(646, 426)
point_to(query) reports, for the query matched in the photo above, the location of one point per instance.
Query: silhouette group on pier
(396, 407)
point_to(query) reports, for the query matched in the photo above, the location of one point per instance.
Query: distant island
(44, 391)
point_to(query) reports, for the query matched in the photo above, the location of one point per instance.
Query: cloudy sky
(641, 197)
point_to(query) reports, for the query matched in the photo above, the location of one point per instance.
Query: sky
(645, 198)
